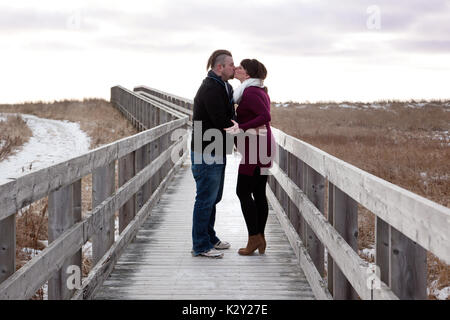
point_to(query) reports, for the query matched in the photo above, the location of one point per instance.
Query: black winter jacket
(215, 109)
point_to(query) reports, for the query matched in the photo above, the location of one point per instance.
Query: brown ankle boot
(253, 243)
(262, 247)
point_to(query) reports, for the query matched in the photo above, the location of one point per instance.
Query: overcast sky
(313, 50)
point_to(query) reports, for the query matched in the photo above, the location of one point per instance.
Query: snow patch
(87, 249)
(377, 106)
(31, 251)
(368, 252)
(441, 294)
(116, 228)
(53, 141)
(347, 106)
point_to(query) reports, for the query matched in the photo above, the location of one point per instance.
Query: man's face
(228, 69)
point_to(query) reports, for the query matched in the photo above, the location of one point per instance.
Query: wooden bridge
(311, 232)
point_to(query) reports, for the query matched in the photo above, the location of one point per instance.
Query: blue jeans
(209, 179)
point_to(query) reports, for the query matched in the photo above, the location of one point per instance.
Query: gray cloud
(13, 20)
(311, 28)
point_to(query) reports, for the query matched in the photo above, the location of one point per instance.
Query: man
(213, 112)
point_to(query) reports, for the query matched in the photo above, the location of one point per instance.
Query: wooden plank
(315, 191)
(315, 280)
(61, 218)
(182, 110)
(300, 181)
(345, 221)
(420, 219)
(330, 262)
(26, 281)
(102, 270)
(382, 248)
(139, 164)
(146, 189)
(354, 268)
(126, 172)
(138, 96)
(7, 247)
(160, 254)
(408, 268)
(26, 189)
(77, 258)
(103, 186)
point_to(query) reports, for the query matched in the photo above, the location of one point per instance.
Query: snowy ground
(53, 141)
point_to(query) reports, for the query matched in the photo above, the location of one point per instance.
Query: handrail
(147, 161)
(422, 220)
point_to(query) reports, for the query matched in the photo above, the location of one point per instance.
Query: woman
(253, 117)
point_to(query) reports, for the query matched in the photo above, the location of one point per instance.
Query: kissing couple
(240, 118)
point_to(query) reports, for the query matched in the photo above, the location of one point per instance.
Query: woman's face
(241, 74)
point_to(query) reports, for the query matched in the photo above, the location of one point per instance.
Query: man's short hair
(217, 57)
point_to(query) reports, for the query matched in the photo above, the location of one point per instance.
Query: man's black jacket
(215, 109)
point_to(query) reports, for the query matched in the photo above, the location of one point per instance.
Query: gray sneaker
(222, 245)
(212, 253)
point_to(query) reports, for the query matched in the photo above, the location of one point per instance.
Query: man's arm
(217, 110)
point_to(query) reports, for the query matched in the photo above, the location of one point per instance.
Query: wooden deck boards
(158, 263)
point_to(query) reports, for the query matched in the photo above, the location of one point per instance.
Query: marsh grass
(102, 123)
(404, 144)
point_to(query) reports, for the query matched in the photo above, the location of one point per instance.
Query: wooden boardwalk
(158, 263)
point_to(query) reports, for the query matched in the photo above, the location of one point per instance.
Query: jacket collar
(228, 87)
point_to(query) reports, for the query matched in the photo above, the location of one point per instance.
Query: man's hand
(233, 129)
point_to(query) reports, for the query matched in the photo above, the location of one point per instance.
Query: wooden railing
(183, 105)
(316, 198)
(145, 161)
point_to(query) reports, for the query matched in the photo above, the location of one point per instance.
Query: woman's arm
(257, 106)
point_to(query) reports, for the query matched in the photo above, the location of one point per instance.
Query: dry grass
(96, 117)
(399, 144)
(14, 132)
(103, 124)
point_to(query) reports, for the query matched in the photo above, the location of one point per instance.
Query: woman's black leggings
(255, 209)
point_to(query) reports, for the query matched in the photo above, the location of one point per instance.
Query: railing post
(154, 153)
(315, 191)
(126, 172)
(408, 267)
(300, 181)
(64, 210)
(330, 262)
(7, 247)
(147, 114)
(153, 121)
(293, 212)
(139, 164)
(345, 221)
(103, 185)
(382, 248)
